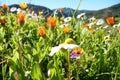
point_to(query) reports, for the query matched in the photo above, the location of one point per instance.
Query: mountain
(36, 9)
(106, 12)
(110, 11)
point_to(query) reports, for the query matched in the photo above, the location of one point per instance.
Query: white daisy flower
(67, 19)
(18, 10)
(92, 19)
(100, 22)
(118, 25)
(27, 73)
(80, 15)
(64, 25)
(114, 26)
(68, 45)
(91, 24)
(13, 9)
(64, 46)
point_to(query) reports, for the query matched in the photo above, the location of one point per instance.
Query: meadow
(33, 47)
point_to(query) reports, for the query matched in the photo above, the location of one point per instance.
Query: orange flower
(86, 26)
(45, 25)
(110, 20)
(61, 10)
(91, 30)
(2, 22)
(66, 30)
(42, 32)
(20, 17)
(23, 5)
(78, 50)
(51, 21)
(5, 6)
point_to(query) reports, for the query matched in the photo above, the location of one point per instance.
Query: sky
(53, 4)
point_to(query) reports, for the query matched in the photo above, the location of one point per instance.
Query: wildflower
(86, 25)
(2, 22)
(91, 24)
(118, 28)
(23, 5)
(42, 32)
(5, 6)
(100, 22)
(45, 25)
(107, 40)
(92, 31)
(115, 25)
(40, 13)
(64, 25)
(66, 30)
(62, 19)
(51, 21)
(3, 17)
(92, 19)
(20, 18)
(27, 73)
(110, 20)
(68, 44)
(80, 15)
(33, 12)
(13, 9)
(77, 53)
(61, 10)
(18, 10)
(67, 19)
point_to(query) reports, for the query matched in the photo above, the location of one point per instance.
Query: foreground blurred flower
(5, 6)
(20, 17)
(110, 20)
(27, 73)
(42, 32)
(23, 5)
(13, 9)
(68, 44)
(67, 19)
(52, 21)
(77, 53)
(66, 30)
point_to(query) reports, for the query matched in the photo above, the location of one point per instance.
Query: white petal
(54, 50)
(70, 46)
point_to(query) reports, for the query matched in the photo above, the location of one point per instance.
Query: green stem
(68, 66)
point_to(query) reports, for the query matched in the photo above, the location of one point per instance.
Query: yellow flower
(69, 41)
(3, 17)
(23, 5)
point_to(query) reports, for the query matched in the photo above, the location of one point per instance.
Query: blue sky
(52, 4)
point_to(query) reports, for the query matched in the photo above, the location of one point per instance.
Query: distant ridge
(102, 13)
